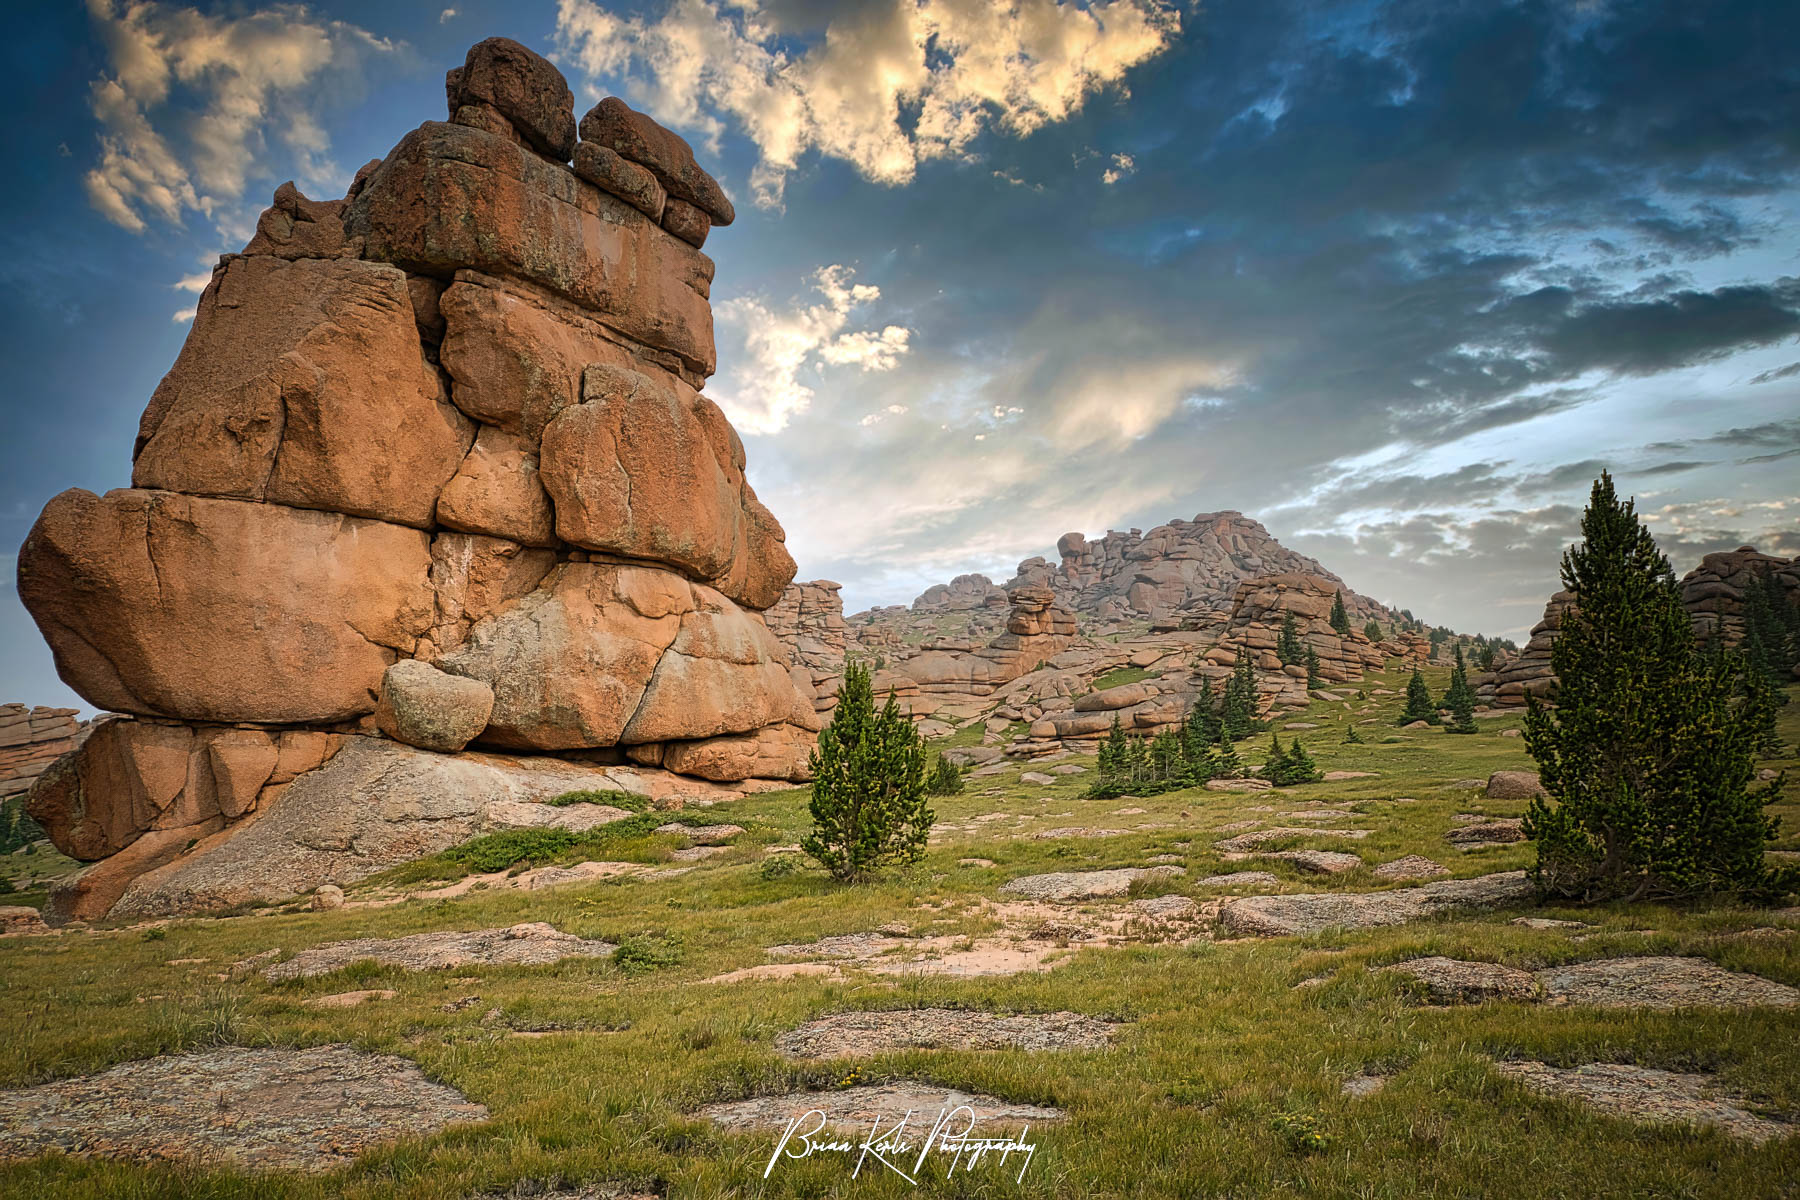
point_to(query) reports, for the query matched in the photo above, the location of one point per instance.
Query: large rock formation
(1713, 592)
(1182, 570)
(432, 466)
(809, 621)
(1260, 610)
(30, 740)
(1528, 673)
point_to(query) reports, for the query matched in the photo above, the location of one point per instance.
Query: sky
(1397, 279)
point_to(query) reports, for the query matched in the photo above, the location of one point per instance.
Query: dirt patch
(1279, 916)
(862, 1034)
(1661, 983)
(1359, 1087)
(1244, 842)
(1083, 885)
(1034, 935)
(1078, 831)
(856, 1109)
(268, 1109)
(778, 971)
(1648, 1095)
(537, 1189)
(351, 999)
(534, 943)
(1452, 981)
(703, 835)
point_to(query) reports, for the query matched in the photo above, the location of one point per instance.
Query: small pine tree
(1300, 767)
(1418, 702)
(1351, 737)
(868, 793)
(1114, 756)
(1459, 697)
(1340, 617)
(1649, 756)
(1287, 647)
(1372, 631)
(1274, 768)
(1313, 678)
(1225, 761)
(1237, 711)
(945, 779)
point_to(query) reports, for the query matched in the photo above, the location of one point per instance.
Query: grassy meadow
(1225, 1080)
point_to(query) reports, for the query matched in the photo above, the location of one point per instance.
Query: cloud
(885, 86)
(446, 16)
(763, 392)
(182, 316)
(1770, 376)
(190, 101)
(1122, 165)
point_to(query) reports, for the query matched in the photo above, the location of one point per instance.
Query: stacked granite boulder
(1260, 610)
(1529, 672)
(431, 476)
(809, 621)
(1713, 592)
(30, 740)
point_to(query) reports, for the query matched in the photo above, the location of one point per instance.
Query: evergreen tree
(1237, 712)
(1300, 767)
(1274, 768)
(1418, 702)
(868, 793)
(1372, 631)
(1340, 617)
(1649, 755)
(1351, 737)
(1313, 678)
(945, 779)
(1225, 761)
(1459, 697)
(1114, 757)
(1287, 647)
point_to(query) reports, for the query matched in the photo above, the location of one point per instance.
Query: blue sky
(1396, 278)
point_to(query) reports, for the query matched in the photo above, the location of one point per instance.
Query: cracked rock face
(1649, 1095)
(434, 464)
(256, 1109)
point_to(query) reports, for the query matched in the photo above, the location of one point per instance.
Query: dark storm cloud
(1770, 376)
(1432, 222)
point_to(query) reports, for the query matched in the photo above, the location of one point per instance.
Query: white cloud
(228, 85)
(764, 392)
(1122, 165)
(957, 66)
(445, 17)
(193, 283)
(182, 316)
(880, 415)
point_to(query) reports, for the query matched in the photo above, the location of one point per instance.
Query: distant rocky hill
(1184, 574)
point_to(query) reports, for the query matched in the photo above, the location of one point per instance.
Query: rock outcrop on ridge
(1184, 571)
(432, 466)
(1713, 592)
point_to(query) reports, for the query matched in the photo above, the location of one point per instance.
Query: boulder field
(432, 471)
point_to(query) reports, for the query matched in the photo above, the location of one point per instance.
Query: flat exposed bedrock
(258, 1110)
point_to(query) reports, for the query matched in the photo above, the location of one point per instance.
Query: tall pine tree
(1418, 702)
(1649, 755)
(868, 793)
(1340, 617)
(1287, 647)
